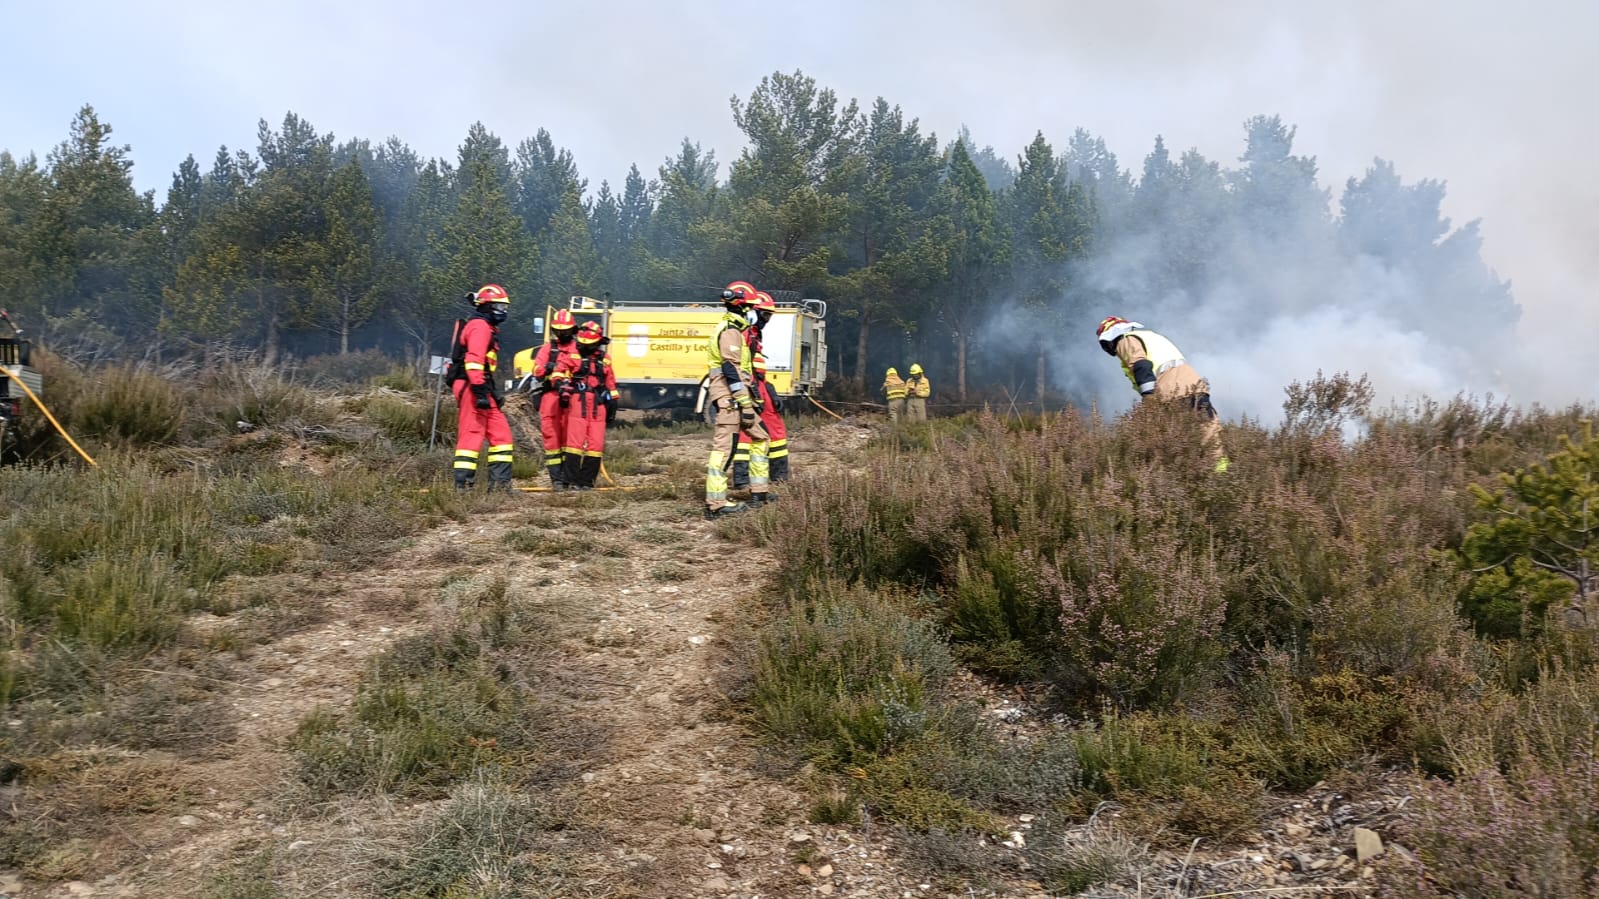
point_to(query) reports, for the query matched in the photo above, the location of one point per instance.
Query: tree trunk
(269, 349)
(860, 350)
(344, 335)
(1042, 374)
(960, 363)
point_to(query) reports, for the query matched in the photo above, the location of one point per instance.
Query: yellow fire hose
(16, 379)
(823, 408)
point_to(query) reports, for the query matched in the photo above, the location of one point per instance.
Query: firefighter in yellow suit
(894, 390)
(729, 381)
(1158, 371)
(917, 389)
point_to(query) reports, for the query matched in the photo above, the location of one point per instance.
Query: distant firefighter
(1158, 371)
(918, 389)
(894, 390)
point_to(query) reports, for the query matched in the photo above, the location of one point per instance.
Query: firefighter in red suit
(772, 418)
(771, 407)
(547, 371)
(587, 395)
(475, 358)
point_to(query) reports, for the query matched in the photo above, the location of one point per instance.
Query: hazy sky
(1496, 102)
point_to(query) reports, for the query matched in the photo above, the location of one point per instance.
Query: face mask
(496, 312)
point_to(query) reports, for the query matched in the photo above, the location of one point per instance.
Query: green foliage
(1540, 544)
(130, 406)
(846, 678)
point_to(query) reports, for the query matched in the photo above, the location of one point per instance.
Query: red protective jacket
(480, 352)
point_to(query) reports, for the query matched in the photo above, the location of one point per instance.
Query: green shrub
(1172, 772)
(397, 418)
(130, 406)
(845, 676)
(346, 369)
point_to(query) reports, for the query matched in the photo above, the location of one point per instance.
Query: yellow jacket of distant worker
(893, 385)
(919, 386)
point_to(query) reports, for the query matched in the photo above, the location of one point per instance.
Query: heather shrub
(1172, 771)
(1145, 627)
(1530, 832)
(846, 676)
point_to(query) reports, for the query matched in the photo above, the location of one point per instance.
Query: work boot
(725, 511)
(762, 499)
(464, 484)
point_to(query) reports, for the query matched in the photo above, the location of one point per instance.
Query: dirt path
(675, 790)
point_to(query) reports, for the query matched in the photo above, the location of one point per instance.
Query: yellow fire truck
(658, 348)
(16, 380)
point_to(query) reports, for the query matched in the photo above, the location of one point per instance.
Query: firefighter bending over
(1158, 370)
(917, 391)
(477, 395)
(587, 396)
(728, 379)
(546, 371)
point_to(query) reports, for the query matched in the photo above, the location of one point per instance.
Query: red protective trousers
(583, 425)
(473, 427)
(552, 418)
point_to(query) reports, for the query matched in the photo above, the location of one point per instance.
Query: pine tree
(1542, 543)
(343, 283)
(978, 253)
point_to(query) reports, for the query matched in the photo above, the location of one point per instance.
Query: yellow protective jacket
(894, 387)
(919, 386)
(1154, 365)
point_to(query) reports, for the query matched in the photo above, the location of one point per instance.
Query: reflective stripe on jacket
(1161, 353)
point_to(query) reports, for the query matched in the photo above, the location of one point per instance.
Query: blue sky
(1493, 101)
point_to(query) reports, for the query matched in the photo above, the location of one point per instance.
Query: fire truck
(15, 374)
(658, 348)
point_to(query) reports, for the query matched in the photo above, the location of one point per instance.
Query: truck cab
(658, 347)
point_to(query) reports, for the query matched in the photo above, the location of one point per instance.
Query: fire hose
(16, 378)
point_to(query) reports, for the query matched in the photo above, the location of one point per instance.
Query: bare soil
(671, 796)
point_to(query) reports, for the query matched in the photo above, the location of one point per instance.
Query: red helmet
(490, 293)
(1110, 330)
(589, 333)
(1110, 321)
(562, 320)
(739, 294)
(764, 301)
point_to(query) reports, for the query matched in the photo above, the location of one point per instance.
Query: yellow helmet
(916, 369)
(892, 373)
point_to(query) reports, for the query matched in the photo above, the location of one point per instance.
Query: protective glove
(777, 404)
(604, 396)
(564, 392)
(610, 410)
(480, 397)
